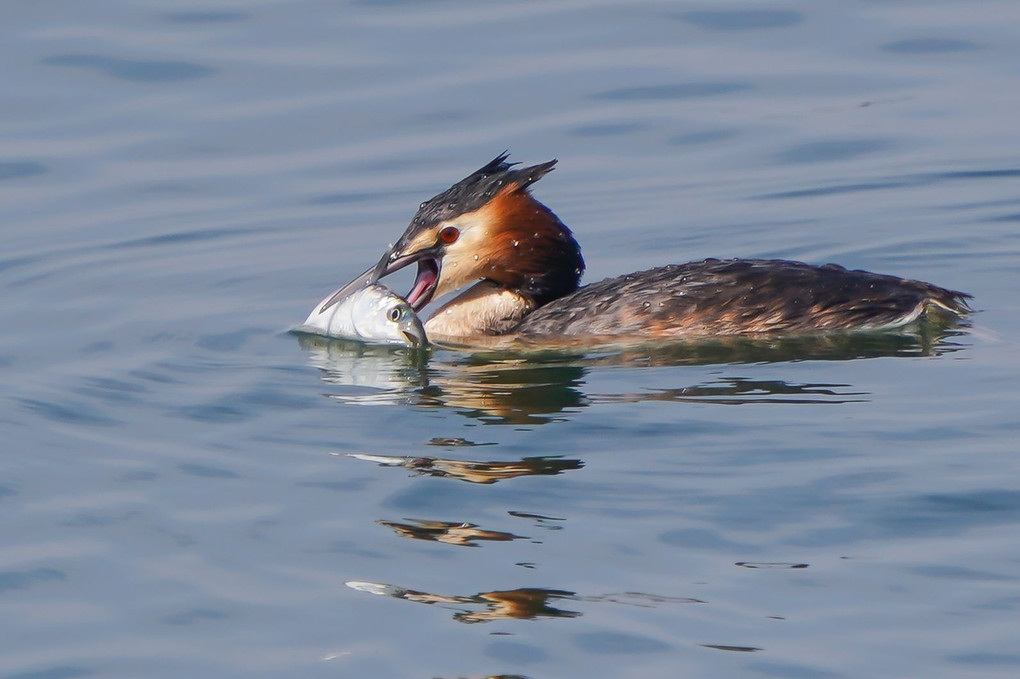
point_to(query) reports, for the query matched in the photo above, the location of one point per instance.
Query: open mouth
(424, 283)
(411, 338)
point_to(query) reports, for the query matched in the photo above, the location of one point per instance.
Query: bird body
(522, 268)
(741, 297)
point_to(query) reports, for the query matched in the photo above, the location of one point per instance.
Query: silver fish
(372, 314)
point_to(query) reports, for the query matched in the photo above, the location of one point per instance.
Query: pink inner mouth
(424, 284)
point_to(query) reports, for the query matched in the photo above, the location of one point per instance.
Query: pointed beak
(386, 265)
(365, 279)
(425, 282)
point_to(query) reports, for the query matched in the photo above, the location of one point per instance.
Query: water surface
(189, 490)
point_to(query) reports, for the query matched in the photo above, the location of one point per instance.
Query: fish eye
(449, 234)
(394, 314)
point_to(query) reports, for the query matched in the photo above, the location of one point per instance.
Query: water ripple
(205, 17)
(133, 70)
(832, 150)
(671, 92)
(930, 46)
(21, 169)
(743, 20)
(60, 672)
(10, 580)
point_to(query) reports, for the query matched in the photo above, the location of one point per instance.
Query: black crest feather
(478, 188)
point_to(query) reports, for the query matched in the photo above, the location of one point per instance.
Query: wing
(741, 296)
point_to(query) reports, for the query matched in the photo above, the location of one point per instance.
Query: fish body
(372, 313)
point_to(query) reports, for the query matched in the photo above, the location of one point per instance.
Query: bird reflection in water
(538, 387)
(509, 390)
(525, 603)
(455, 442)
(494, 676)
(476, 471)
(463, 534)
(739, 390)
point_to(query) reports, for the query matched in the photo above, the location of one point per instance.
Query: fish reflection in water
(355, 364)
(474, 471)
(525, 603)
(463, 534)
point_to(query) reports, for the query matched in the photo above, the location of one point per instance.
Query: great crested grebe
(489, 230)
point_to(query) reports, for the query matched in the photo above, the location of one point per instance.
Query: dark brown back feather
(739, 297)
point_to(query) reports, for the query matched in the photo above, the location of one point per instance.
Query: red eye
(449, 234)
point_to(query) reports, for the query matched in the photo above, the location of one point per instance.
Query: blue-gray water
(180, 182)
